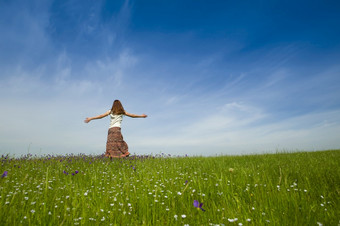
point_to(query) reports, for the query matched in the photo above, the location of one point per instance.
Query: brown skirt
(116, 147)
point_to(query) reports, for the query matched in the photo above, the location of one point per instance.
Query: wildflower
(232, 220)
(66, 173)
(179, 193)
(85, 193)
(76, 171)
(184, 216)
(186, 182)
(175, 217)
(198, 205)
(32, 211)
(4, 174)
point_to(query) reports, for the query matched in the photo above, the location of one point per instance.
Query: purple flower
(77, 172)
(186, 181)
(65, 172)
(4, 174)
(198, 205)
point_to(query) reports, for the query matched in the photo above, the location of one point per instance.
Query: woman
(116, 147)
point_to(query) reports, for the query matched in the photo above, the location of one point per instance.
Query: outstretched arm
(135, 116)
(87, 120)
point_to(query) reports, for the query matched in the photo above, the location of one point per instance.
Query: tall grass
(272, 189)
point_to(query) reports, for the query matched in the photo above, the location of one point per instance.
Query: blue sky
(215, 77)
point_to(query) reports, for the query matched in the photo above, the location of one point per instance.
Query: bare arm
(87, 120)
(135, 116)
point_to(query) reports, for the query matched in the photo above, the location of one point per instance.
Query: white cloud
(235, 130)
(48, 113)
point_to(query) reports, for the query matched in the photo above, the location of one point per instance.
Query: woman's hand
(144, 115)
(87, 120)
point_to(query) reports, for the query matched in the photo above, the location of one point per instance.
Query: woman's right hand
(87, 120)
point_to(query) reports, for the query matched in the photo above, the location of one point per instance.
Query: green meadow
(300, 188)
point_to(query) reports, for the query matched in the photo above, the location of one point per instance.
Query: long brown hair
(117, 108)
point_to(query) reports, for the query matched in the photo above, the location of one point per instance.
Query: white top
(116, 120)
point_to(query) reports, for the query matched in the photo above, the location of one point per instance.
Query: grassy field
(299, 188)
